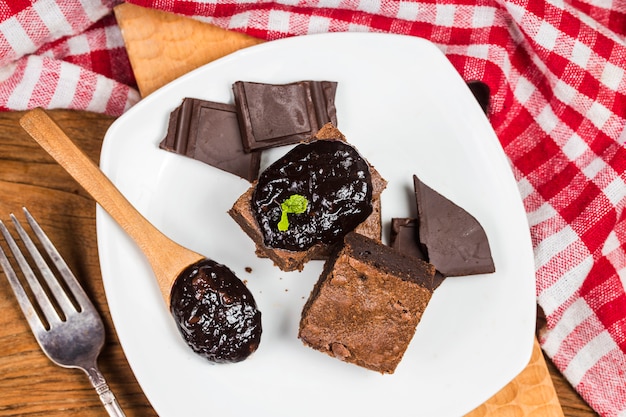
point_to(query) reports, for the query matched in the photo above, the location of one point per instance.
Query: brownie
(286, 260)
(291, 260)
(454, 241)
(209, 132)
(282, 114)
(366, 305)
(403, 238)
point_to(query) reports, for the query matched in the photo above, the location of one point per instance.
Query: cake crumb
(340, 351)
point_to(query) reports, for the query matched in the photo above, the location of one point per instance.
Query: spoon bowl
(215, 289)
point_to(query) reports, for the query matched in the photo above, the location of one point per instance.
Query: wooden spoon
(168, 259)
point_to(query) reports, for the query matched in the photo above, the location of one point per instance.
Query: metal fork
(64, 321)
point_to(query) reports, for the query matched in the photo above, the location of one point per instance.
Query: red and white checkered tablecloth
(557, 72)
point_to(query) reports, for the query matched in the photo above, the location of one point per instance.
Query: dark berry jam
(215, 312)
(316, 193)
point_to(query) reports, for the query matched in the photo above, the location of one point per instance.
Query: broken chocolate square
(403, 238)
(283, 114)
(209, 132)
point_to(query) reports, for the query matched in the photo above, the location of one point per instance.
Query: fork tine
(59, 294)
(27, 308)
(38, 292)
(64, 270)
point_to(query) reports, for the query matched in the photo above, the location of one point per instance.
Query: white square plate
(406, 109)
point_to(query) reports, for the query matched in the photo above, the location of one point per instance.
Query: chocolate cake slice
(366, 305)
(286, 260)
(291, 258)
(453, 240)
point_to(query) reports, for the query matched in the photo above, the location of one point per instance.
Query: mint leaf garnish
(295, 204)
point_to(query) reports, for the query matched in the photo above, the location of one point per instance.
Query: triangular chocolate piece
(454, 241)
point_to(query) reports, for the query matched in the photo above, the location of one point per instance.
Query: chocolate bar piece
(209, 132)
(283, 114)
(481, 92)
(454, 240)
(403, 238)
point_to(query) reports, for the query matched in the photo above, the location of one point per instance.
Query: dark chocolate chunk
(453, 239)
(480, 90)
(316, 193)
(282, 114)
(215, 312)
(403, 238)
(209, 132)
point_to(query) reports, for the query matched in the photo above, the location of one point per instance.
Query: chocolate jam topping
(215, 312)
(332, 178)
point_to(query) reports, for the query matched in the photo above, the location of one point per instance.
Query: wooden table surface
(161, 47)
(30, 385)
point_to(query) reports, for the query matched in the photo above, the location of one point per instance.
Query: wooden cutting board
(162, 46)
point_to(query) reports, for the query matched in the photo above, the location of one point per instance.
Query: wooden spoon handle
(166, 257)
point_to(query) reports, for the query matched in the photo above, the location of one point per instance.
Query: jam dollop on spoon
(215, 312)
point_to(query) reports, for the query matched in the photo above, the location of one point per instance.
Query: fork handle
(104, 392)
(109, 401)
